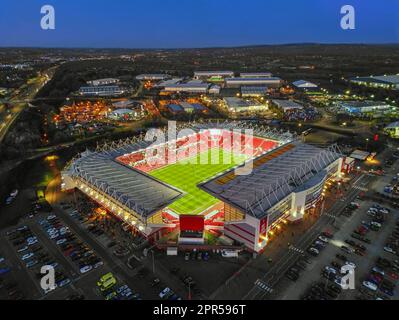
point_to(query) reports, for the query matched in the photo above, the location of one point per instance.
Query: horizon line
(209, 47)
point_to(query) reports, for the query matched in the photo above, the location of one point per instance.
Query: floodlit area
(186, 176)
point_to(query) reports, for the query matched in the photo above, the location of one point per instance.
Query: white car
(32, 242)
(2, 259)
(369, 285)
(54, 235)
(86, 269)
(22, 249)
(98, 264)
(330, 270)
(27, 256)
(324, 239)
(61, 241)
(348, 263)
(164, 292)
(390, 250)
(51, 217)
(314, 251)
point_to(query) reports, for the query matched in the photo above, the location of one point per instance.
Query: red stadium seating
(189, 147)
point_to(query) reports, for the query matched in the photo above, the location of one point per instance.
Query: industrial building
(287, 180)
(237, 105)
(152, 77)
(204, 75)
(256, 75)
(392, 130)
(271, 82)
(201, 88)
(361, 108)
(253, 91)
(303, 84)
(287, 105)
(101, 91)
(384, 82)
(103, 82)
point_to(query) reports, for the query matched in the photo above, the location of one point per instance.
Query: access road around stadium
(273, 275)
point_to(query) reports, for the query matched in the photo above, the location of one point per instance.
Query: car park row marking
(263, 286)
(296, 249)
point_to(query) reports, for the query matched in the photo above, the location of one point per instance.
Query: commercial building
(103, 82)
(287, 180)
(303, 84)
(360, 108)
(271, 82)
(152, 77)
(168, 82)
(101, 91)
(237, 105)
(201, 88)
(385, 82)
(392, 130)
(287, 105)
(253, 91)
(213, 74)
(256, 75)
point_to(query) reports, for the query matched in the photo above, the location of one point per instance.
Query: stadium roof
(136, 190)
(274, 176)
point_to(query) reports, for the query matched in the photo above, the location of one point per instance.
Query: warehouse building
(103, 82)
(101, 91)
(360, 108)
(384, 82)
(392, 130)
(303, 84)
(204, 75)
(237, 105)
(253, 91)
(195, 88)
(256, 75)
(153, 77)
(287, 105)
(271, 82)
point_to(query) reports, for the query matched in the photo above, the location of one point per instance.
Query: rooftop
(274, 176)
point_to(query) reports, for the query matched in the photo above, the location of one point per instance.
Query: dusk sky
(195, 23)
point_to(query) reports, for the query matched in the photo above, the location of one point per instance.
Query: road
(20, 101)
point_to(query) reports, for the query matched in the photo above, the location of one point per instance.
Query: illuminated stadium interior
(194, 159)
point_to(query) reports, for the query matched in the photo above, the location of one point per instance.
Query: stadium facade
(287, 178)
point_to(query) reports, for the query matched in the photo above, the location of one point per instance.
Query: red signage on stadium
(263, 227)
(192, 223)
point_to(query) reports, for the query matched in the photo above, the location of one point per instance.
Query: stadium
(230, 180)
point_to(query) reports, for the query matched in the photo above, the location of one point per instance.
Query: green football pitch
(187, 174)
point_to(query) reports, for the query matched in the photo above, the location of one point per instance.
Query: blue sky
(195, 23)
